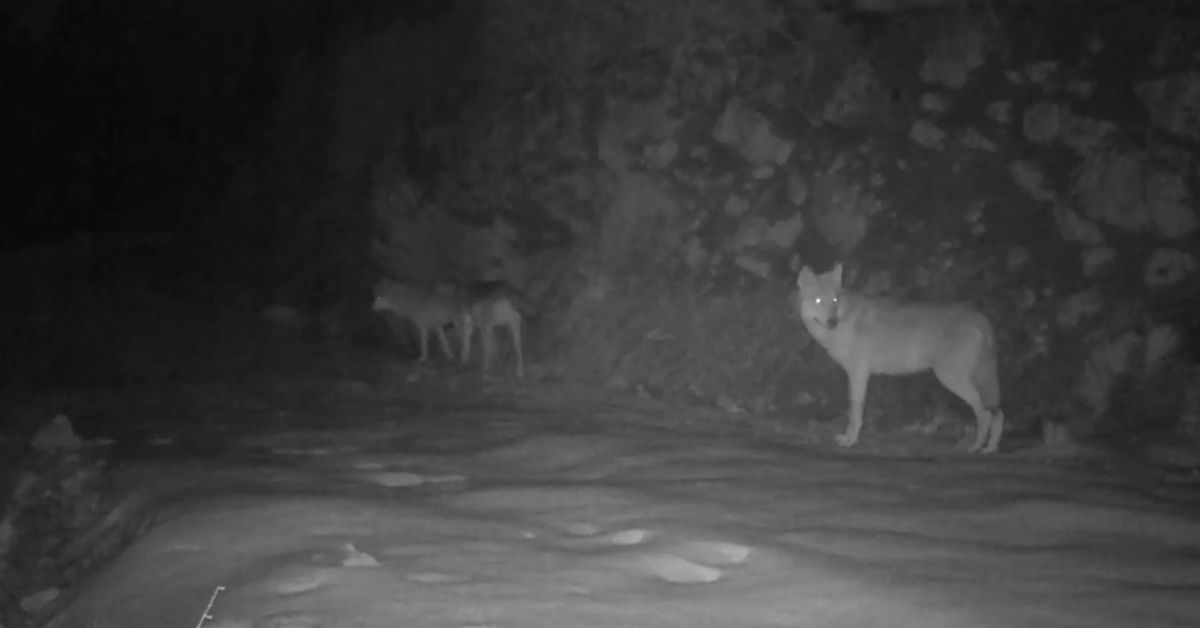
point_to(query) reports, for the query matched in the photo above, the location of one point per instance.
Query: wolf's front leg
(858, 394)
(467, 325)
(424, 344)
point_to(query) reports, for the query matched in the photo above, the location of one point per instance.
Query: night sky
(125, 112)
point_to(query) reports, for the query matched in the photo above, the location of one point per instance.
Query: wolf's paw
(847, 439)
(981, 450)
(982, 446)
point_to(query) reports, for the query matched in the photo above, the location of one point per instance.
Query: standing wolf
(488, 305)
(427, 309)
(869, 336)
(480, 305)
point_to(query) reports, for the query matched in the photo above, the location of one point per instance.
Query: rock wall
(658, 173)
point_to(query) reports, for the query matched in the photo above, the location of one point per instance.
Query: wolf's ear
(805, 278)
(836, 275)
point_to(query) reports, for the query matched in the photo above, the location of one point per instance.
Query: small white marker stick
(207, 609)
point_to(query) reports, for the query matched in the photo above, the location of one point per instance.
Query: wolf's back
(481, 291)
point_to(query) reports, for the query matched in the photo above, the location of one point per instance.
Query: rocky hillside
(657, 173)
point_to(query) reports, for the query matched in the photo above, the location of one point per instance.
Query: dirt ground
(347, 488)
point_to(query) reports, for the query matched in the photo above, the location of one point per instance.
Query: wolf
(486, 306)
(429, 309)
(876, 335)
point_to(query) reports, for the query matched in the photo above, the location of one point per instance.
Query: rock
(1042, 123)
(617, 382)
(1161, 342)
(1078, 307)
(285, 317)
(1171, 102)
(854, 97)
(1167, 267)
(1109, 187)
(749, 132)
(57, 436)
(1039, 72)
(927, 134)
(934, 103)
(1027, 176)
(1086, 136)
(954, 58)
(1075, 228)
(35, 601)
(1017, 258)
(1095, 258)
(1000, 111)
(1170, 204)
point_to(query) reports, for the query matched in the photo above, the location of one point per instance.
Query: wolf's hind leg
(487, 335)
(424, 333)
(467, 322)
(441, 334)
(988, 424)
(514, 332)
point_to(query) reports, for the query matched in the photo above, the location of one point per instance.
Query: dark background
(129, 115)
